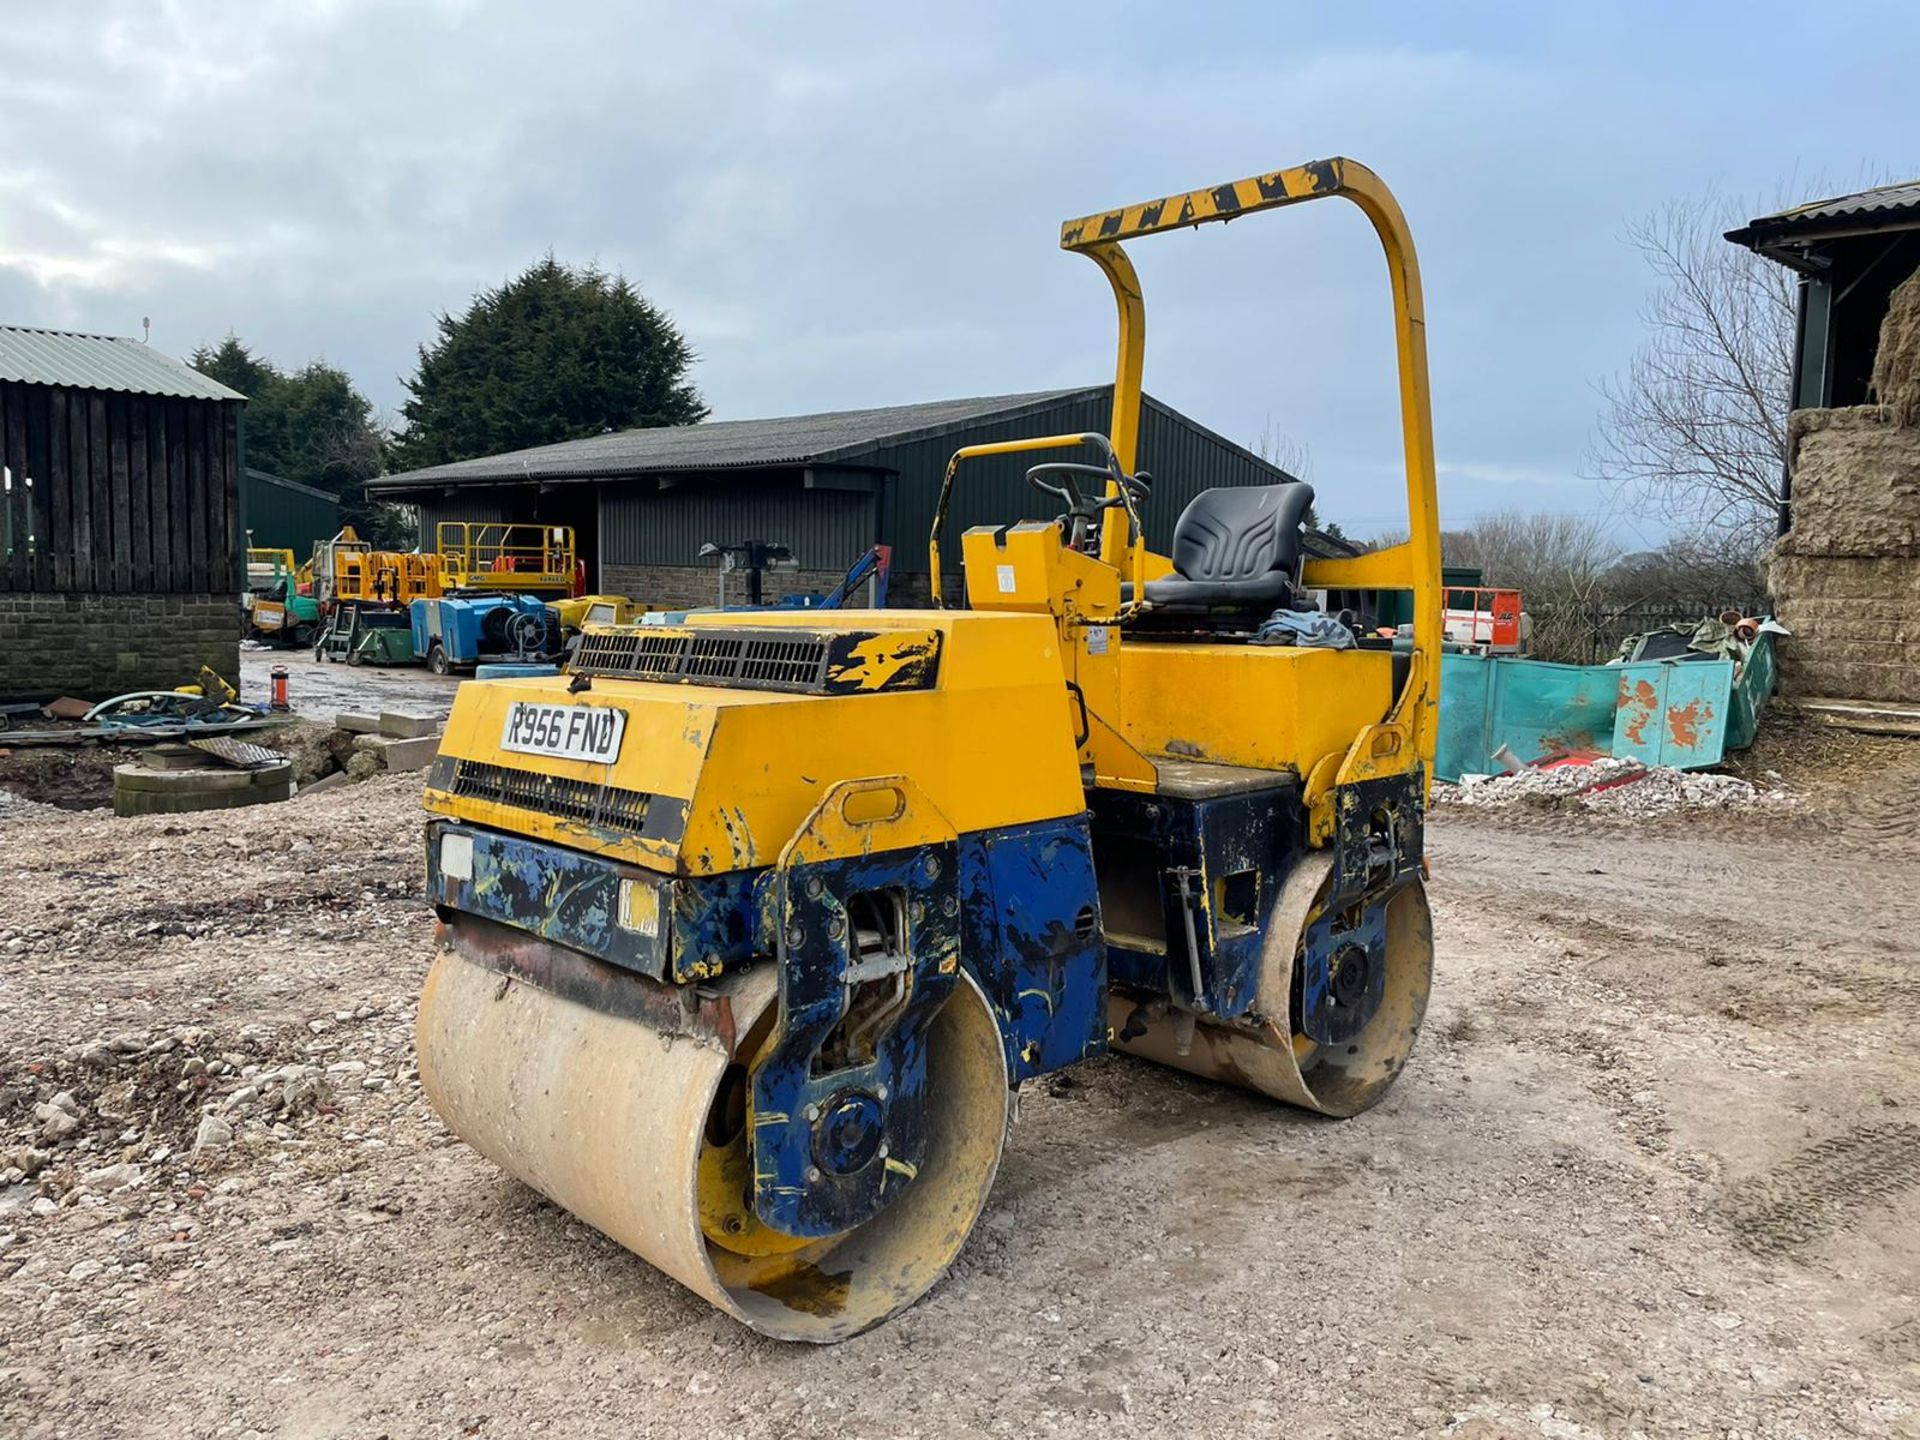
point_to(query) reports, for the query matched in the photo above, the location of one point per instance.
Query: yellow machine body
(580, 611)
(384, 576)
(749, 923)
(991, 744)
(266, 565)
(1168, 703)
(506, 556)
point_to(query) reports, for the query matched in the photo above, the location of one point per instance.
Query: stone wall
(1846, 578)
(94, 647)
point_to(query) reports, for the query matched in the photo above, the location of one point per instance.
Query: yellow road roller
(751, 925)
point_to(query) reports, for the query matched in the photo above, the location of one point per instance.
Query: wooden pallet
(1873, 717)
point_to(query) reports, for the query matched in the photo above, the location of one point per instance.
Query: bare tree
(1695, 430)
(1688, 572)
(1583, 592)
(1290, 453)
(1294, 456)
(1559, 563)
(1547, 557)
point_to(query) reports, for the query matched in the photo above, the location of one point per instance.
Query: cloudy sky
(857, 204)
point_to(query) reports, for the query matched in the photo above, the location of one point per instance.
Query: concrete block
(402, 726)
(154, 802)
(358, 723)
(412, 754)
(202, 780)
(196, 781)
(173, 757)
(139, 791)
(387, 753)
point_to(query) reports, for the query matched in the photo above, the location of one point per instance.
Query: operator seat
(1235, 549)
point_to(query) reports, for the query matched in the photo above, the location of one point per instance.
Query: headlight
(456, 856)
(640, 907)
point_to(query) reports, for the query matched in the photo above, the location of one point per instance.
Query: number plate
(567, 732)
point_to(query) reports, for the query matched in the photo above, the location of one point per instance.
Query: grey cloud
(853, 205)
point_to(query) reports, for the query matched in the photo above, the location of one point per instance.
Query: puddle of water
(319, 690)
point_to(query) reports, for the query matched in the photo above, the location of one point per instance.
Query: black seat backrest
(1241, 532)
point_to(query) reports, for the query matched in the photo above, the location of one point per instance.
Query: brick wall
(94, 647)
(913, 590)
(690, 587)
(1846, 578)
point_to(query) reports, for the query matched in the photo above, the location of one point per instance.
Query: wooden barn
(120, 531)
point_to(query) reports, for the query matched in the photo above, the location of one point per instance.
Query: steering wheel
(1061, 479)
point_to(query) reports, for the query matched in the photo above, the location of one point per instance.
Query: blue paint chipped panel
(1340, 937)
(1021, 916)
(1032, 939)
(1237, 851)
(693, 928)
(811, 1175)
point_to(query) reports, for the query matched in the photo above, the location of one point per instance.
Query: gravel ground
(1651, 1172)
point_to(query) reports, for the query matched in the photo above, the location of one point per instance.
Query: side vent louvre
(806, 662)
(605, 806)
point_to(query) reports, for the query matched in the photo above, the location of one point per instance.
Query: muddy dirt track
(1653, 1171)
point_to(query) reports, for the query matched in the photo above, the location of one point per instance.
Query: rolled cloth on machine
(1309, 628)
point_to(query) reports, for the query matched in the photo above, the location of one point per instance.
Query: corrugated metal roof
(726, 444)
(267, 477)
(1868, 209)
(100, 362)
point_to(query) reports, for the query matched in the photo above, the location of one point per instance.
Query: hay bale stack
(1896, 368)
(1856, 483)
(1855, 623)
(1846, 579)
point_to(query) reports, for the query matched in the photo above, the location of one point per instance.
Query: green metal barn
(286, 515)
(642, 502)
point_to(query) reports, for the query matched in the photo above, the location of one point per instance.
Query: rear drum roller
(1267, 1052)
(643, 1136)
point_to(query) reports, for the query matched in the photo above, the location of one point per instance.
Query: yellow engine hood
(711, 775)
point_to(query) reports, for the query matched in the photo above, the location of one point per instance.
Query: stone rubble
(131, 1125)
(16, 808)
(1613, 786)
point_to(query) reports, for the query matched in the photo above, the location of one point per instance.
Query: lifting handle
(1414, 566)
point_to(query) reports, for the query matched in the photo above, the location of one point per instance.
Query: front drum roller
(632, 1130)
(1268, 1054)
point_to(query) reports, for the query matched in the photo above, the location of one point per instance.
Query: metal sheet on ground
(1673, 714)
(1532, 707)
(1685, 714)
